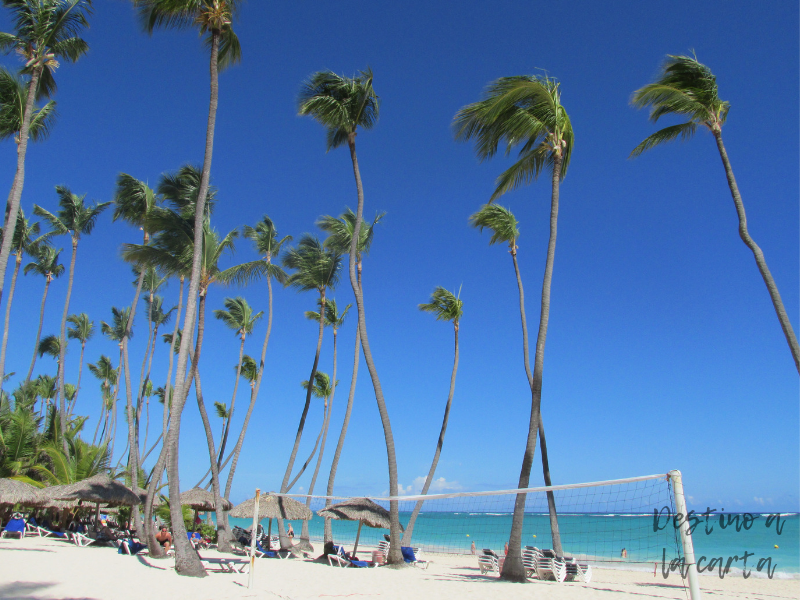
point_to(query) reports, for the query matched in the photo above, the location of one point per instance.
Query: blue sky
(663, 349)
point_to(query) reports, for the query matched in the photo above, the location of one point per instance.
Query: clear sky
(663, 349)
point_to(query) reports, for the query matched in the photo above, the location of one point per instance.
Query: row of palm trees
(523, 112)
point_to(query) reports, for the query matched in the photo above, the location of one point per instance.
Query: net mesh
(604, 522)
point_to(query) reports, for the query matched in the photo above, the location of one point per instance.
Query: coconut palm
(214, 19)
(82, 329)
(151, 283)
(46, 264)
(446, 306)
(75, 219)
(104, 370)
(46, 31)
(315, 268)
(265, 239)
(524, 110)
(158, 318)
(342, 105)
(26, 241)
(688, 89)
(48, 386)
(239, 317)
(13, 99)
(117, 331)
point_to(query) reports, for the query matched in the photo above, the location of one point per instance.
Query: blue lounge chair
(409, 555)
(14, 527)
(262, 552)
(343, 559)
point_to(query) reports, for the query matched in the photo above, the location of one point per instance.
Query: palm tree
(447, 307)
(265, 239)
(214, 19)
(117, 331)
(151, 283)
(333, 319)
(82, 330)
(76, 219)
(240, 317)
(104, 371)
(45, 263)
(13, 99)
(688, 88)
(342, 105)
(158, 318)
(315, 268)
(46, 31)
(24, 242)
(524, 110)
(340, 234)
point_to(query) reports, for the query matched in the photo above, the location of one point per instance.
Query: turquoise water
(597, 537)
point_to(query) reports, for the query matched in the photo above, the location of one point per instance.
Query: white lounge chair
(489, 563)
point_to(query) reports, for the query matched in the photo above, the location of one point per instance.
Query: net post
(253, 540)
(686, 534)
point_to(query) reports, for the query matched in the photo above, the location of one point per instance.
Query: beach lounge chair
(262, 552)
(15, 527)
(489, 562)
(575, 571)
(410, 556)
(546, 565)
(343, 559)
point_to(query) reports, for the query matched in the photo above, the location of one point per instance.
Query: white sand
(48, 569)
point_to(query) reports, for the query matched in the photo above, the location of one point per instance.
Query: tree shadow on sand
(25, 589)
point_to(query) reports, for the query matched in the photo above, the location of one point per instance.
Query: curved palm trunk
(285, 543)
(395, 556)
(39, 331)
(112, 429)
(233, 403)
(774, 295)
(327, 421)
(158, 470)
(429, 479)
(17, 264)
(102, 411)
(313, 451)
(63, 350)
(551, 499)
(187, 561)
(150, 341)
(513, 569)
(78, 386)
(19, 177)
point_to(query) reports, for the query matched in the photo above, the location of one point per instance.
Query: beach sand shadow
(26, 549)
(18, 590)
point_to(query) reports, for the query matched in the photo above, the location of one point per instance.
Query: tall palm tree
(104, 370)
(333, 319)
(342, 105)
(688, 88)
(340, 234)
(151, 283)
(447, 307)
(82, 330)
(240, 317)
(117, 331)
(214, 19)
(75, 219)
(24, 242)
(46, 31)
(524, 110)
(315, 268)
(13, 99)
(46, 264)
(265, 239)
(158, 318)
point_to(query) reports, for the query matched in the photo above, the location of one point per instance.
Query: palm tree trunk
(150, 340)
(313, 452)
(429, 479)
(186, 560)
(97, 427)
(395, 556)
(39, 331)
(513, 569)
(774, 295)
(327, 421)
(551, 499)
(113, 427)
(19, 177)
(78, 386)
(233, 402)
(285, 542)
(158, 469)
(17, 264)
(63, 350)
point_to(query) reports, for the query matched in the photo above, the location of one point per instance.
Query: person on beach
(164, 537)
(290, 530)
(624, 553)
(505, 550)
(472, 548)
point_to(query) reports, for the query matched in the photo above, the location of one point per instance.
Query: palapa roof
(19, 492)
(273, 507)
(200, 499)
(100, 489)
(358, 509)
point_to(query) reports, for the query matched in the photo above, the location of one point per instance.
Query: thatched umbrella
(363, 510)
(273, 507)
(100, 489)
(202, 501)
(18, 492)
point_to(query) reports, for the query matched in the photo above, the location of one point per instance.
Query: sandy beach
(43, 568)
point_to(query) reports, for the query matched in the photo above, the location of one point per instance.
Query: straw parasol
(100, 489)
(273, 507)
(202, 501)
(18, 492)
(363, 510)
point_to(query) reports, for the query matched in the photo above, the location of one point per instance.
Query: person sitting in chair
(164, 537)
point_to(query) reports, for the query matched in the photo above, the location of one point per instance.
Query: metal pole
(254, 539)
(686, 535)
